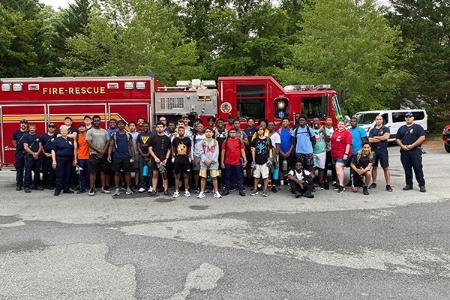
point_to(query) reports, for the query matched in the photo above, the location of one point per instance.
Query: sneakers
(18, 188)
(274, 189)
(187, 194)
(153, 194)
(69, 191)
(254, 193)
(422, 189)
(129, 191)
(298, 195)
(341, 189)
(388, 188)
(27, 190)
(308, 194)
(105, 191)
(242, 193)
(150, 190)
(407, 187)
(225, 192)
(176, 194)
(141, 190)
(373, 186)
(91, 192)
(117, 192)
(201, 195)
(365, 190)
(166, 193)
(264, 194)
(217, 195)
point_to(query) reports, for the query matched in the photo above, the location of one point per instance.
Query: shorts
(181, 166)
(320, 160)
(261, 171)
(135, 165)
(121, 164)
(196, 164)
(382, 156)
(307, 159)
(212, 172)
(339, 160)
(96, 164)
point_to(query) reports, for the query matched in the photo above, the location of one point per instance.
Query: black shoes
(407, 187)
(309, 194)
(341, 189)
(27, 190)
(422, 189)
(388, 188)
(298, 195)
(68, 192)
(274, 189)
(18, 188)
(365, 190)
(241, 193)
(57, 193)
(225, 192)
(374, 186)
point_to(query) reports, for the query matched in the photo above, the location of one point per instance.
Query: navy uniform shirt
(121, 145)
(18, 138)
(32, 141)
(48, 141)
(63, 147)
(379, 132)
(410, 134)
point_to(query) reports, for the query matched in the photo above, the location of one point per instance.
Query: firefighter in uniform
(33, 147)
(48, 173)
(19, 162)
(63, 159)
(410, 137)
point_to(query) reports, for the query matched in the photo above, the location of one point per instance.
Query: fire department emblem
(226, 107)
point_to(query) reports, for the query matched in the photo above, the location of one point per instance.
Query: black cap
(23, 121)
(409, 114)
(51, 124)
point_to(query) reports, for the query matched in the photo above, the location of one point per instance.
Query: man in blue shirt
(410, 137)
(33, 147)
(286, 147)
(378, 137)
(359, 137)
(48, 173)
(304, 140)
(19, 156)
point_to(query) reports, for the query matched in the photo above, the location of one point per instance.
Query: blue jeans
(84, 174)
(233, 171)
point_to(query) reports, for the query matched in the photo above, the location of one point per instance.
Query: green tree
(131, 37)
(425, 26)
(350, 45)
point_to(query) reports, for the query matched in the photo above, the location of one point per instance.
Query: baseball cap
(409, 114)
(23, 121)
(51, 124)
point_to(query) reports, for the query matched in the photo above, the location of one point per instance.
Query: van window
(398, 117)
(418, 115)
(250, 101)
(385, 118)
(366, 118)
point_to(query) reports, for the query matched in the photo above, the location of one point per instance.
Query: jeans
(84, 174)
(32, 166)
(233, 171)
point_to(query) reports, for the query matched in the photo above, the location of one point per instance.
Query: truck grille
(172, 103)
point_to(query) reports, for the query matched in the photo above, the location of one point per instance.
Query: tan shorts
(261, 171)
(204, 173)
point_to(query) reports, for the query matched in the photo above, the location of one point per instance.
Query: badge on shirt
(70, 143)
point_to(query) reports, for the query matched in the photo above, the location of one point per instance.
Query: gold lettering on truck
(74, 90)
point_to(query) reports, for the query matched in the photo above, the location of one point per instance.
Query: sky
(64, 3)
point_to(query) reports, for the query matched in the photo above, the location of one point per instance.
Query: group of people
(218, 156)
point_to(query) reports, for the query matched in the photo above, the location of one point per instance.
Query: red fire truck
(44, 100)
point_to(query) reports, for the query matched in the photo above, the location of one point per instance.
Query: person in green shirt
(319, 151)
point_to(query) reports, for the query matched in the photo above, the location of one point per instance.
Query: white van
(393, 119)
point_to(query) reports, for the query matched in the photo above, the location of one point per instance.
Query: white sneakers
(187, 194)
(217, 195)
(202, 195)
(141, 190)
(176, 194)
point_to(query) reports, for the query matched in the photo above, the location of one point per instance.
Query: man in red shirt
(233, 160)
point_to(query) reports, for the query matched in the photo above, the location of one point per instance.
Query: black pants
(412, 160)
(329, 166)
(19, 164)
(32, 166)
(48, 173)
(63, 172)
(296, 188)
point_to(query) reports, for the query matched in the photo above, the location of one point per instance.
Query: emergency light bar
(6, 87)
(209, 83)
(17, 87)
(140, 85)
(183, 83)
(323, 87)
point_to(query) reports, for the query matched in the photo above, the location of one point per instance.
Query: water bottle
(145, 171)
(276, 174)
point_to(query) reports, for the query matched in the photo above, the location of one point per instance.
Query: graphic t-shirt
(358, 133)
(329, 132)
(320, 145)
(181, 147)
(98, 138)
(210, 152)
(233, 148)
(262, 147)
(160, 145)
(379, 132)
(143, 139)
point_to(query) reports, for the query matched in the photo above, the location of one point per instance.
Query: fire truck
(44, 100)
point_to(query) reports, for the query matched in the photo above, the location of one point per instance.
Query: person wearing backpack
(301, 181)
(359, 137)
(378, 137)
(121, 156)
(361, 165)
(233, 159)
(410, 138)
(304, 139)
(261, 154)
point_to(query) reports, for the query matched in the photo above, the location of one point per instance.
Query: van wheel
(447, 148)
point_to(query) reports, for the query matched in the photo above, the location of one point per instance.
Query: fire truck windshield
(316, 107)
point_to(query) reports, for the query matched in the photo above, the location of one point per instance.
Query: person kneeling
(301, 181)
(362, 169)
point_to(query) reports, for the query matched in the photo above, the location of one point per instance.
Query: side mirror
(347, 120)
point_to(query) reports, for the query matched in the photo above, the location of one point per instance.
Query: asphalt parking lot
(347, 246)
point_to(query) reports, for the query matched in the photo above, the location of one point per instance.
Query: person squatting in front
(361, 165)
(300, 181)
